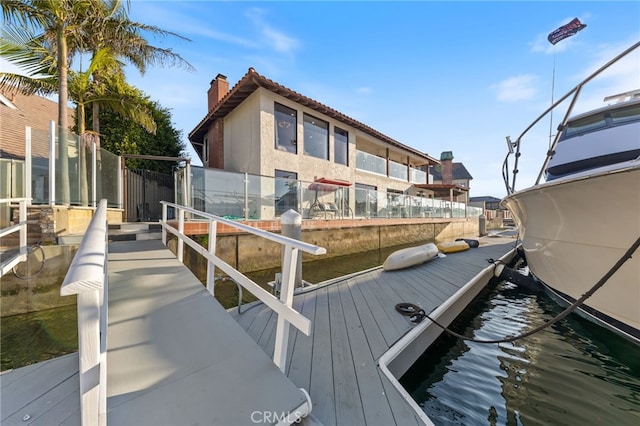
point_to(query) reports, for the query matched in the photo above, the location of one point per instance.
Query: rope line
(417, 314)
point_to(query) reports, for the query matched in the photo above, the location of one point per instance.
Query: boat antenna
(553, 86)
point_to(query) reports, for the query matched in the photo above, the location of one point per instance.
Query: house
(486, 202)
(450, 180)
(262, 128)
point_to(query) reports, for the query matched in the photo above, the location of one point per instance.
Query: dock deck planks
(354, 323)
(167, 364)
(175, 356)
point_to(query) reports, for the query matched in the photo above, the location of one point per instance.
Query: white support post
(187, 186)
(27, 164)
(120, 204)
(164, 224)
(94, 173)
(286, 297)
(22, 217)
(246, 196)
(86, 278)
(52, 163)
(104, 321)
(181, 231)
(211, 267)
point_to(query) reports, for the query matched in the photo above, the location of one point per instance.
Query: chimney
(219, 88)
(446, 159)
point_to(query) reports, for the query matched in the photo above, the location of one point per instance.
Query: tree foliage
(125, 136)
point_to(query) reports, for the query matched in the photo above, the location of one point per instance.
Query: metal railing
(87, 278)
(21, 228)
(281, 306)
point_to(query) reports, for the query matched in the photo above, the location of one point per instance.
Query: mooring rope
(416, 314)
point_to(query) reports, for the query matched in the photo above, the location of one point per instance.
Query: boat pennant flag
(565, 31)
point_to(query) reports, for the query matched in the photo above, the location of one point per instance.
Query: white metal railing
(21, 227)
(282, 306)
(87, 278)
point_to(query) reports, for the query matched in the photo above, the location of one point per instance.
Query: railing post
(22, 217)
(246, 196)
(164, 222)
(52, 163)
(181, 230)
(211, 267)
(94, 174)
(286, 297)
(27, 164)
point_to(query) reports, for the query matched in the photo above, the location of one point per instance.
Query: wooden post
(286, 297)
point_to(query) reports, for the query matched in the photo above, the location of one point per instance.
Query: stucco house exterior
(262, 128)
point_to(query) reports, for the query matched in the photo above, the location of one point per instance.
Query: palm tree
(125, 38)
(69, 27)
(112, 92)
(61, 22)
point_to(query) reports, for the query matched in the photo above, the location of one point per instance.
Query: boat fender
(506, 273)
(472, 243)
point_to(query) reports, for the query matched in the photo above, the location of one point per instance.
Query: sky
(436, 76)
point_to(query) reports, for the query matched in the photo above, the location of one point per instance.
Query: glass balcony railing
(371, 163)
(245, 196)
(397, 170)
(417, 176)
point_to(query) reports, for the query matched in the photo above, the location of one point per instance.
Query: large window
(316, 137)
(341, 146)
(286, 135)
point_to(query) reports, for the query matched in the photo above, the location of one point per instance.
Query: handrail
(87, 278)
(291, 247)
(20, 227)
(576, 93)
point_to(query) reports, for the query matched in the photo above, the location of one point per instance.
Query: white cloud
(276, 39)
(364, 90)
(519, 88)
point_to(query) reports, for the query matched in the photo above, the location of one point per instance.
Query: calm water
(574, 373)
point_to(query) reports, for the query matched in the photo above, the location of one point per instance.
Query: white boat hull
(575, 229)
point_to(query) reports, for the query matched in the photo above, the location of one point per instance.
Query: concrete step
(132, 231)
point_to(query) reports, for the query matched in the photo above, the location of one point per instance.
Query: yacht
(581, 219)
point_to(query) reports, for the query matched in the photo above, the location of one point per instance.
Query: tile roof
(459, 172)
(251, 81)
(18, 111)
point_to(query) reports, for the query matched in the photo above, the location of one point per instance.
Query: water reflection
(572, 373)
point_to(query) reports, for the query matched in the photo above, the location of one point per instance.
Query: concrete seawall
(248, 253)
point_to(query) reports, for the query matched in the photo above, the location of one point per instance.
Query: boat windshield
(601, 120)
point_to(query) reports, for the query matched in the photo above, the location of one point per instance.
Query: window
(341, 146)
(316, 137)
(286, 125)
(286, 192)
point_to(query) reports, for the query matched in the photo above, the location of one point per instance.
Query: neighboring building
(486, 202)
(450, 180)
(17, 111)
(262, 128)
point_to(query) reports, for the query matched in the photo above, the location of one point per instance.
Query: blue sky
(437, 76)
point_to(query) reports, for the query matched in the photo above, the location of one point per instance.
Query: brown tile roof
(33, 111)
(252, 81)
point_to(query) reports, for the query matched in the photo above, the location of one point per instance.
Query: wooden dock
(175, 356)
(354, 324)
